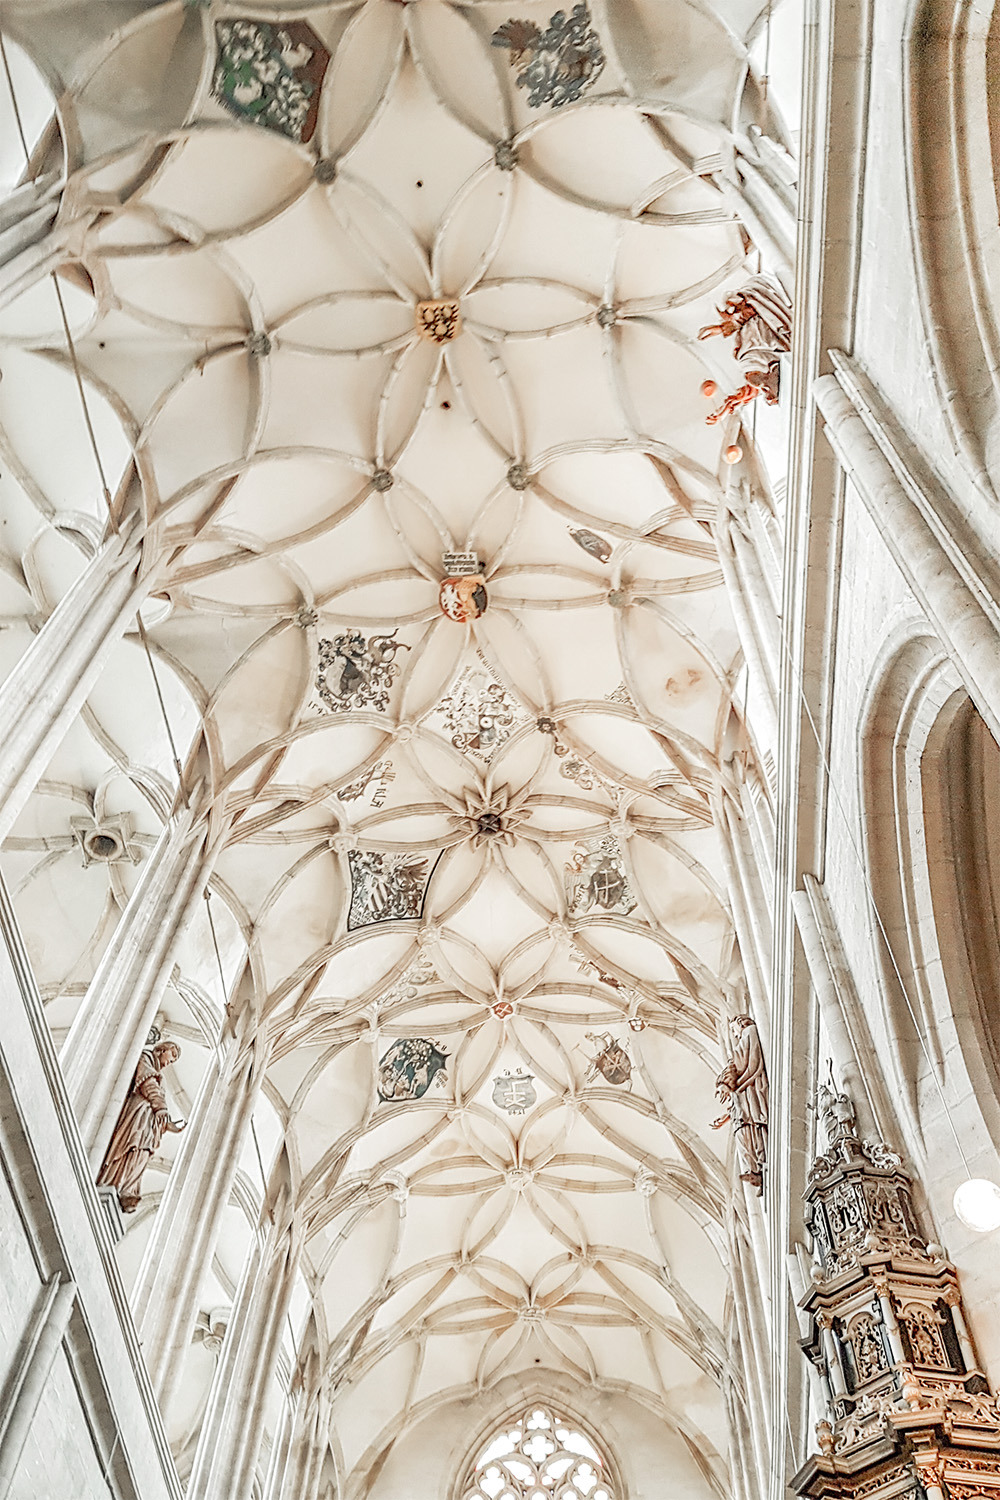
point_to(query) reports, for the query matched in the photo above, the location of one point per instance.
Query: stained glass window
(539, 1455)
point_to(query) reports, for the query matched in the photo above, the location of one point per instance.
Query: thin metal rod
(83, 401)
(163, 707)
(13, 101)
(766, 76)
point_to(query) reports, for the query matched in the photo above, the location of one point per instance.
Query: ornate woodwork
(907, 1410)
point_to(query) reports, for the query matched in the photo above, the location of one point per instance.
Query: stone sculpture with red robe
(141, 1126)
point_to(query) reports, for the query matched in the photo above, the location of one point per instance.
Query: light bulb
(977, 1204)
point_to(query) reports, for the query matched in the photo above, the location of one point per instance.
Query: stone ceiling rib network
(390, 345)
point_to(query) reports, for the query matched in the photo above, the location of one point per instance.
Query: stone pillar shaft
(47, 688)
(962, 1330)
(954, 609)
(833, 1364)
(43, 1344)
(891, 1326)
(231, 1433)
(165, 1298)
(303, 1468)
(104, 1042)
(748, 612)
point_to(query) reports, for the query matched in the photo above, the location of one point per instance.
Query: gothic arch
(929, 767)
(950, 122)
(960, 794)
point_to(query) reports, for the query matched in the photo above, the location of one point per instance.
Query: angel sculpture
(141, 1126)
(758, 318)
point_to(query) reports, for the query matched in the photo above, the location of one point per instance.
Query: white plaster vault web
(302, 460)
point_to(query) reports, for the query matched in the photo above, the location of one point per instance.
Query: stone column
(44, 1341)
(828, 979)
(832, 1353)
(187, 1223)
(751, 914)
(746, 617)
(45, 691)
(103, 1046)
(231, 1433)
(930, 1472)
(960, 612)
(953, 1297)
(307, 1449)
(881, 1285)
(752, 1349)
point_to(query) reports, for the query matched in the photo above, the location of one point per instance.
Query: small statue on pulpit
(758, 318)
(141, 1126)
(742, 1088)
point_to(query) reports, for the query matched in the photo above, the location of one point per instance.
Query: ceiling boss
(462, 595)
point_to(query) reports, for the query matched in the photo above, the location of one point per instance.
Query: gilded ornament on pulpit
(904, 1405)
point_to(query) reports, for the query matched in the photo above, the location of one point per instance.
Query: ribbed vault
(471, 898)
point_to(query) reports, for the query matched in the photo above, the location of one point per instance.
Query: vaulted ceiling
(365, 286)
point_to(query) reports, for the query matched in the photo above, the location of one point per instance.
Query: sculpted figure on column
(742, 1088)
(758, 318)
(141, 1125)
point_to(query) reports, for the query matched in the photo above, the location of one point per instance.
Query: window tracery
(539, 1455)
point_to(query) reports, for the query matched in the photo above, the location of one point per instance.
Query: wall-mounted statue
(742, 1088)
(758, 318)
(142, 1124)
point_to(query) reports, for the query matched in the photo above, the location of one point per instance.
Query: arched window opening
(932, 834)
(540, 1455)
(970, 775)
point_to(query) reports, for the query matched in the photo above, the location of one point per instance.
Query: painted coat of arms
(561, 61)
(463, 599)
(386, 887)
(357, 672)
(438, 321)
(597, 546)
(269, 74)
(408, 1068)
(478, 714)
(612, 1062)
(596, 880)
(514, 1092)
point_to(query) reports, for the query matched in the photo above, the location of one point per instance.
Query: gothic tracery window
(539, 1455)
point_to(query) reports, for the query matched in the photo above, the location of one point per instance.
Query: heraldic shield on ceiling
(447, 606)
(408, 1068)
